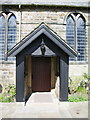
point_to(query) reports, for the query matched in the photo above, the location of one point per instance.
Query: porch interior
(28, 76)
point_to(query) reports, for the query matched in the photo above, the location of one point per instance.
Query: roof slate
(83, 3)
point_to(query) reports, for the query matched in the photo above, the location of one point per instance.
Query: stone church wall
(28, 18)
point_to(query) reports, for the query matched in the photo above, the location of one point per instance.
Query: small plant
(81, 89)
(87, 79)
(86, 76)
(78, 88)
(77, 99)
(8, 94)
(73, 85)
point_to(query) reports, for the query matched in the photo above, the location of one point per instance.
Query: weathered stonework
(54, 19)
(7, 74)
(28, 18)
(78, 70)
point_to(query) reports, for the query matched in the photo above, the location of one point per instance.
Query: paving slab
(44, 105)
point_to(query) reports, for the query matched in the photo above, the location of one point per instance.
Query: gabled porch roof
(42, 29)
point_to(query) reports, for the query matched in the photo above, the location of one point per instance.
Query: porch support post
(64, 62)
(20, 80)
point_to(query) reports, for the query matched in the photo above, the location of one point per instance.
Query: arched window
(11, 33)
(7, 34)
(2, 37)
(70, 33)
(81, 43)
(75, 35)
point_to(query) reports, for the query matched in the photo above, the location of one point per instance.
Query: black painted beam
(20, 80)
(64, 66)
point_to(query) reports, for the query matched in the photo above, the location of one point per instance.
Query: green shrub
(77, 98)
(78, 84)
(78, 88)
(74, 83)
(81, 89)
(87, 80)
(86, 76)
(9, 94)
(4, 98)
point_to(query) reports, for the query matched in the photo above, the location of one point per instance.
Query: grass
(78, 98)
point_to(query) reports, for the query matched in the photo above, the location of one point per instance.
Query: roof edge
(43, 29)
(46, 3)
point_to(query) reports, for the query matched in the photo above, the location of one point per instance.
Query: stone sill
(7, 62)
(78, 63)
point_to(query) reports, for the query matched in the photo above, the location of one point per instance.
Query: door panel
(41, 74)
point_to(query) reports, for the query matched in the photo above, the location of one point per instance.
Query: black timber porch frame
(31, 43)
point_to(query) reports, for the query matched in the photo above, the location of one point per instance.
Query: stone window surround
(75, 18)
(6, 16)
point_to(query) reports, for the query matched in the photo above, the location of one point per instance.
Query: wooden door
(41, 74)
